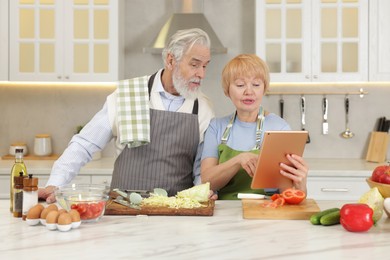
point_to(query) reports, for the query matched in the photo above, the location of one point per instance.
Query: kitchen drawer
(336, 188)
(42, 180)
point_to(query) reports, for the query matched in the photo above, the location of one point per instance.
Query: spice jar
(30, 194)
(18, 195)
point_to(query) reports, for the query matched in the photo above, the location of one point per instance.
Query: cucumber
(332, 218)
(315, 219)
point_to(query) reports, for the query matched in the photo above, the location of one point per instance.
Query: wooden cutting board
(253, 209)
(113, 208)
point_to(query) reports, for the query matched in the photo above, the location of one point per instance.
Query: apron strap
(259, 128)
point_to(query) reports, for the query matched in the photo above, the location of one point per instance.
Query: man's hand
(47, 194)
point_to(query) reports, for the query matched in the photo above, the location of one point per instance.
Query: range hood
(188, 14)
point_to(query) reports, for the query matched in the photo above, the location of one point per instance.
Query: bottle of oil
(18, 167)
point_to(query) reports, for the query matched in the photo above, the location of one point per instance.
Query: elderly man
(157, 121)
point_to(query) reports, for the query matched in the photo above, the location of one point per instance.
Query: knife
(325, 116)
(303, 116)
(281, 105)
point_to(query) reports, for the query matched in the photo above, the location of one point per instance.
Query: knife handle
(346, 105)
(281, 105)
(325, 107)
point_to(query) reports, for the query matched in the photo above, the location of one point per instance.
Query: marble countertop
(226, 235)
(318, 167)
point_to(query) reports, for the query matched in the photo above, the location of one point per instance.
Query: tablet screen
(276, 145)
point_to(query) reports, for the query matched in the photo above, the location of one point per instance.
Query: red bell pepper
(356, 217)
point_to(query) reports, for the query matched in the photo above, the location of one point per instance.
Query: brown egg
(35, 212)
(52, 217)
(64, 219)
(62, 211)
(75, 215)
(52, 206)
(45, 211)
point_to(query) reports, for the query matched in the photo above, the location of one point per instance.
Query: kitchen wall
(26, 111)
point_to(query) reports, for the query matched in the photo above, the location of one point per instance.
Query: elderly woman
(230, 148)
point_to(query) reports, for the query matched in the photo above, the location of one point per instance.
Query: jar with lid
(30, 194)
(18, 195)
(18, 167)
(42, 145)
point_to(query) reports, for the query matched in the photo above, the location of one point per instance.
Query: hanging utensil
(303, 116)
(281, 106)
(325, 125)
(347, 133)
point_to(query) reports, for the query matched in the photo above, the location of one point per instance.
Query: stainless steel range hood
(188, 14)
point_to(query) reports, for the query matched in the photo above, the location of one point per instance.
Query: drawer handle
(334, 189)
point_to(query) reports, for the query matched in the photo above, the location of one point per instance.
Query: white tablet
(276, 145)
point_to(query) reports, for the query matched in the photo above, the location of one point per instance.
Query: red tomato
(279, 201)
(274, 204)
(73, 206)
(81, 208)
(293, 196)
(275, 196)
(87, 215)
(381, 174)
(95, 208)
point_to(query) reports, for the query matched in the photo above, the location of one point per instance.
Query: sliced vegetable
(357, 217)
(293, 196)
(199, 193)
(275, 196)
(316, 218)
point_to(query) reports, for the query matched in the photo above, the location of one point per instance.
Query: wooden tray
(252, 209)
(113, 208)
(31, 157)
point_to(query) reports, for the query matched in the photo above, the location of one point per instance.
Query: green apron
(241, 182)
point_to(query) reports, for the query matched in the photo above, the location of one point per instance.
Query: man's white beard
(181, 86)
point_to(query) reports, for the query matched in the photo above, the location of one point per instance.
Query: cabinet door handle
(307, 77)
(315, 76)
(334, 189)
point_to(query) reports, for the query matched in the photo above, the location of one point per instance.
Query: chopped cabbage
(199, 193)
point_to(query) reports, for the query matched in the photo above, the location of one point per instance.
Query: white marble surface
(226, 235)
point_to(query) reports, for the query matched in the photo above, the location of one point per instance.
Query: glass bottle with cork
(30, 194)
(18, 167)
(18, 196)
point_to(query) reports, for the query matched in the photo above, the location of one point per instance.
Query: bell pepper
(356, 217)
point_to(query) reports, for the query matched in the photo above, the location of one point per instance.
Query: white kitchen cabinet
(313, 40)
(379, 40)
(64, 40)
(336, 188)
(3, 40)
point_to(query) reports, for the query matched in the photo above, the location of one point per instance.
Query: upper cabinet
(72, 40)
(379, 65)
(313, 40)
(3, 40)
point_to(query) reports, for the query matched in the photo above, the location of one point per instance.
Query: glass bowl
(88, 199)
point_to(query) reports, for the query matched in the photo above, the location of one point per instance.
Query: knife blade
(303, 117)
(325, 126)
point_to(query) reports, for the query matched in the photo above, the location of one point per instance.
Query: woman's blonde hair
(244, 65)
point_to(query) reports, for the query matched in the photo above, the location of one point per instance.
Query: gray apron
(167, 161)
